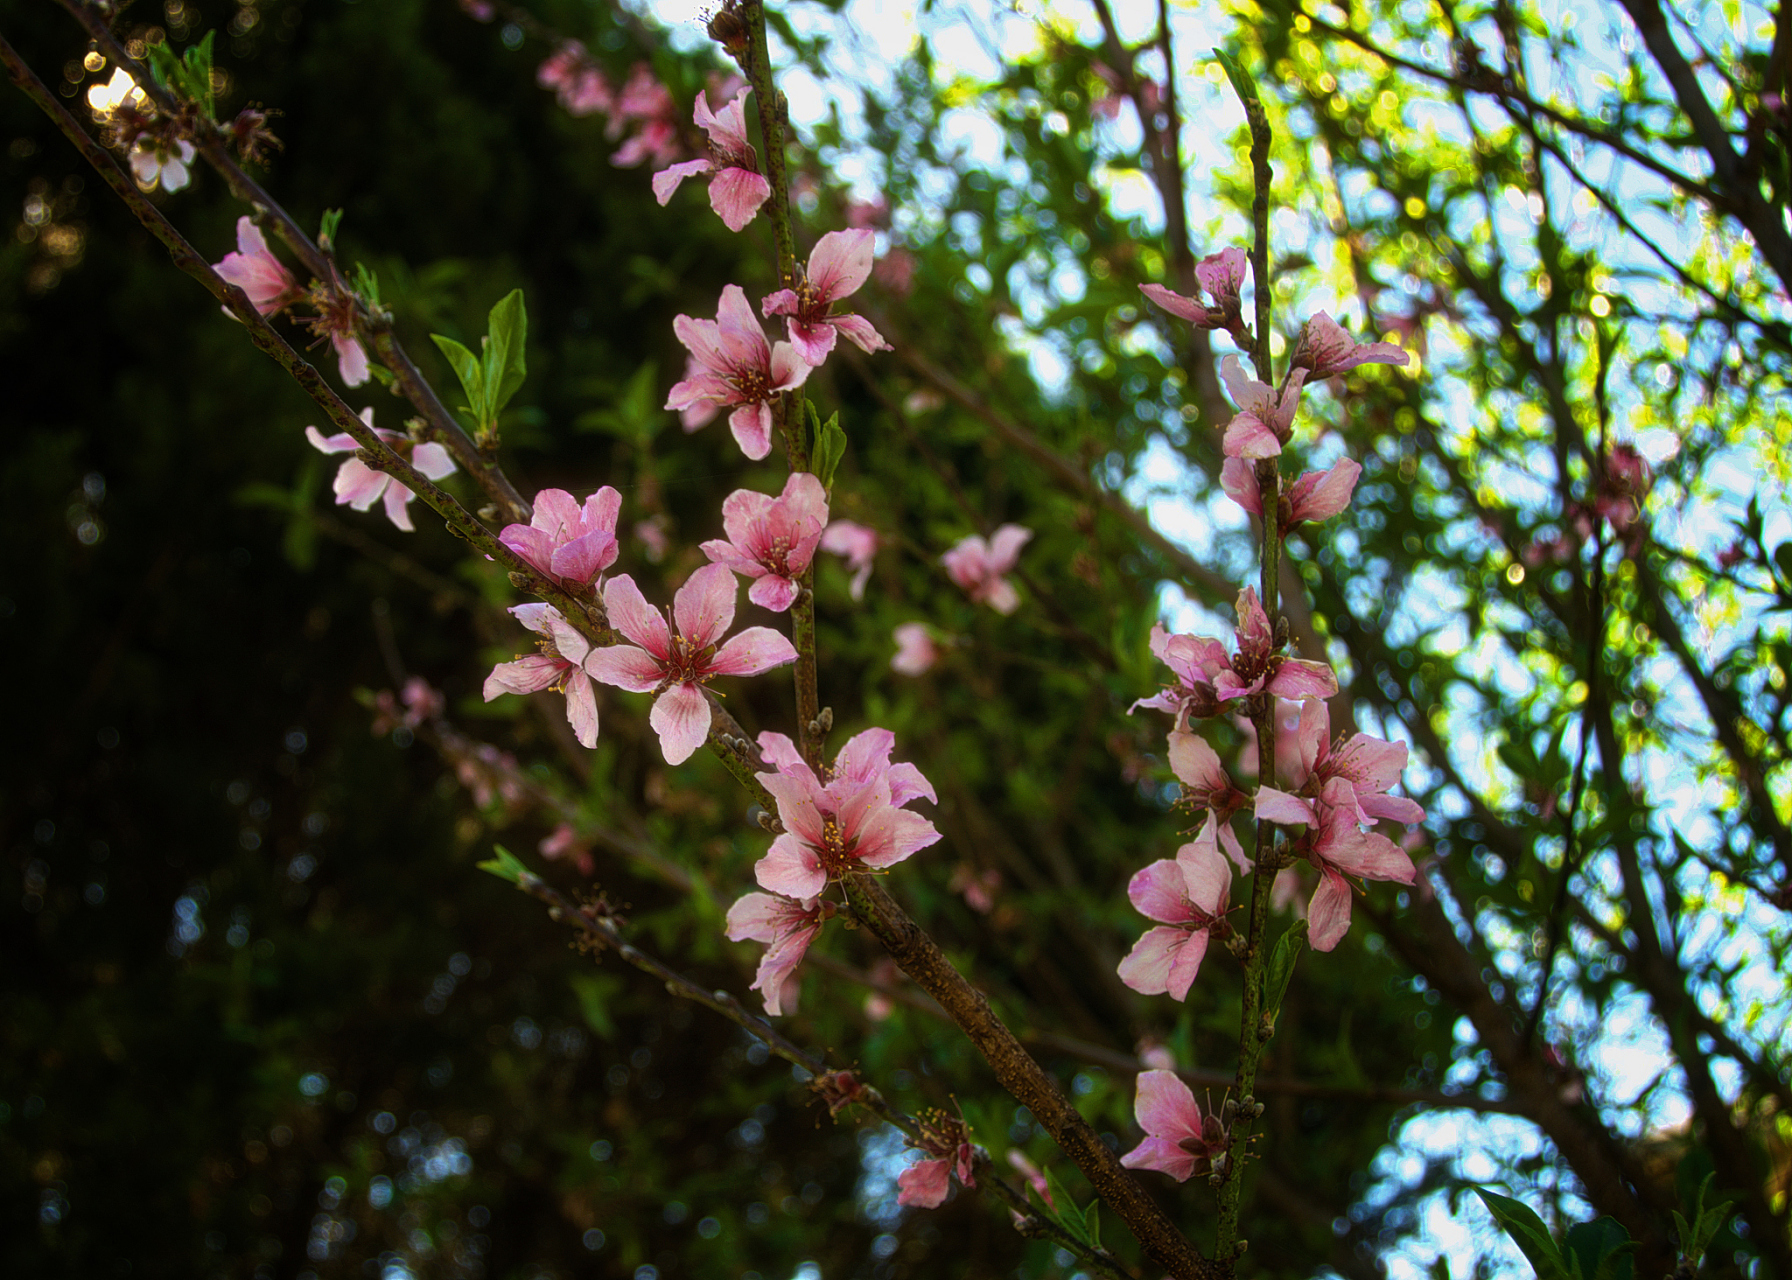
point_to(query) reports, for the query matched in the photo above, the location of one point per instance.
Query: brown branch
(921, 958)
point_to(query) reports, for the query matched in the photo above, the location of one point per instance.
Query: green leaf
(163, 65)
(1242, 84)
(198, 67)
(830, 447)
(468, 370)
(506, 867)
(505, 341)
(1067, 1218)
(1092, 1222)
(1280, 970)
(1600, 1250)
(326, 232)
(1519, 1221)
(366, 283)
(1695, 1238)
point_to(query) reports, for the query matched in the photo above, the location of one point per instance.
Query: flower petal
(755, 650)
(791, 868)
(631, 614)
(681, 716)
(581, 708)
(704, 605)
(626, 667)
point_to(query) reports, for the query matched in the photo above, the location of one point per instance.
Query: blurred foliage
(264, 1017)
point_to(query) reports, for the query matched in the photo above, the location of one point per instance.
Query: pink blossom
(558, 666)
(1221, 277)
(851, 823)
(576, 80)
(737, 188)
(1323, 349)
(978, 566)
(895, 271)
(859, 547)
(564, 842)
(569, 543)
(1187, 897)
(915, 650)
(1206, 785)
(1317, 495)
(787, 928)
(1368, 764)
(736, 366)
(772, 540)
(1265, 417)
(864, 758)
(1207, 678)
(360, 486)
(1179, 1139)
(946, 1143)
(647, 104)
(257, 272)
(675, 668)
(1336, 847)
(335, 320)
(421, 702)
(838, 265)
(651, 533)
(978, 887)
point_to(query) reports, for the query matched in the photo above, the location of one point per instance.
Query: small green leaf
(504, 352)
(164, 67)
(505, 866)
(1092, 1222)
(1280, 970)
(830, 447)
(468, 370)
(367, 284)
(1242, 84)
(1067, 1218)
(198, 67)
(1519, 1221)
(1707, 1221)
(326, 233)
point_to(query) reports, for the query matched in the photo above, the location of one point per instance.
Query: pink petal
(1328, 914)
(752, 428)
(1000, 595)
(1146, 968)
(782, 303)
(581, 708)
(666, 181)
(1279, 806)
(1177, 305)
(1185, 964)
(1004, 547)
(791, 868)
(865, 755)
(1197, 765)
(744, 513)
(1248, 437)
(788, 369)
(755, 917)
(753, 651)
(584, 558)
(359, 485)
(1160, 892)
(1207, 876)
(1165, 1107)
(1163, 1155)
(681, 716)
(1322, 495)
(1371, 857)
(1376, 805)
(1312, 736)
(840, 263)
(351, 359)
(736, 194)
(626, 667)
(1298, 678)
(1222, 274)
(1239, 479)
(772, 592)
(924, 1184)
(796, 793)
(908, 783)
(343, 442)
(704, 605)
(630, 614)
(812, 342)
(526, 675)
(398, 500)
(901, 833)
(432, 461)
(781, 754)
(860, 333)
